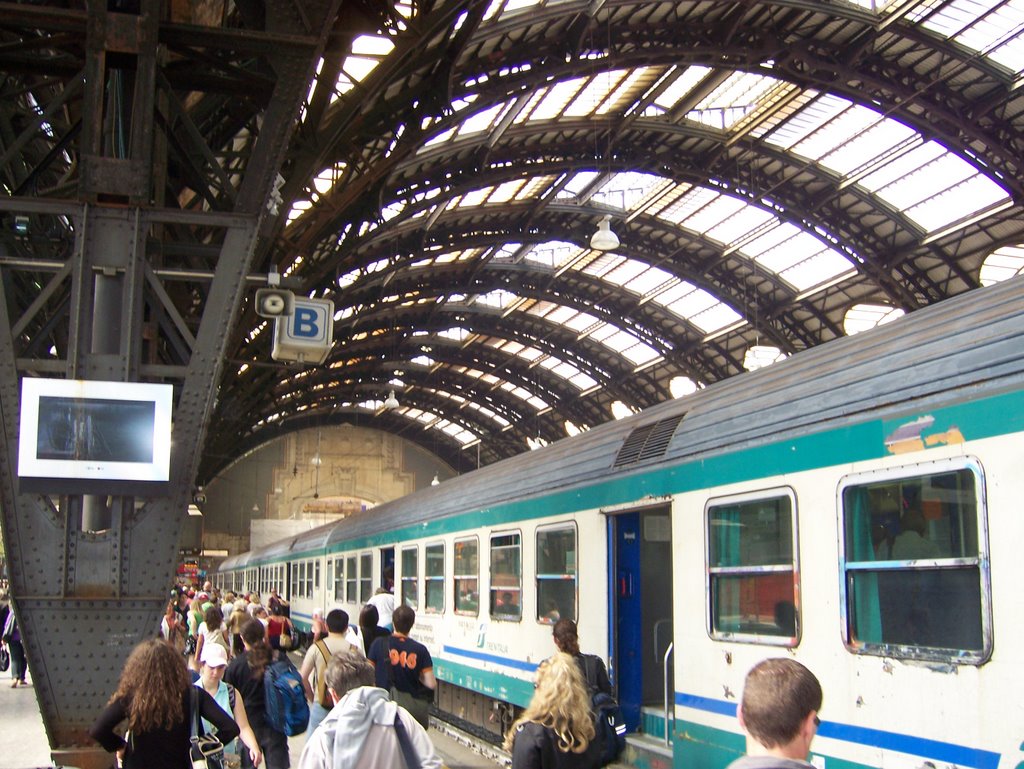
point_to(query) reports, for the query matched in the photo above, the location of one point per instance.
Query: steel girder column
(86, 594)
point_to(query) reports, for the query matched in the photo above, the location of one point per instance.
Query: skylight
(924, 180)
(990, 27)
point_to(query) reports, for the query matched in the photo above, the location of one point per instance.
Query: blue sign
(307, 334)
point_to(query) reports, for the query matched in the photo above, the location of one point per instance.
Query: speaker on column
(274, 302)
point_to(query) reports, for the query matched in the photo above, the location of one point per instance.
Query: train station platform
(23, 743)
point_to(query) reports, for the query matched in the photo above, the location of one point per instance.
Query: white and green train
(858, 507)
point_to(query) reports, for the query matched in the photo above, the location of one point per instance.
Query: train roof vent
(647, 441)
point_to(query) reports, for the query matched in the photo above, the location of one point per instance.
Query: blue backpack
(285, 700)
(609, 725)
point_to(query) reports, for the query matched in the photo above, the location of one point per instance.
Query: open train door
(640, 592)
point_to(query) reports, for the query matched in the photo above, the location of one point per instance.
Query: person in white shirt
(365, 729)
(385, 605)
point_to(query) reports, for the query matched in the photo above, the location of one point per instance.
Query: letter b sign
(307, 334)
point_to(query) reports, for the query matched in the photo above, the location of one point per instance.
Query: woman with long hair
(154, 695)
(556, 731)
(245, 672)
(595, 674)
(369, 630)
(211, 630)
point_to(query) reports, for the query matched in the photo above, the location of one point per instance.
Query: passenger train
(858, 507)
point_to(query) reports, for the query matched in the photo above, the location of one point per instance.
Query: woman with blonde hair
(155, 696)
(556, 731)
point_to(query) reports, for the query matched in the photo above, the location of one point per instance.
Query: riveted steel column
(89, 579)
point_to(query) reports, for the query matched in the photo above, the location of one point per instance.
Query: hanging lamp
(604, 239)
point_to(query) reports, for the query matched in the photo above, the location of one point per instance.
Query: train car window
(339, 579)
(316, 577)
(752, 568)
(467, 576)
(506, 577)
(294, 584)
(411, 577)
(915, 560)
(365, 577)
(433, 573)
(351, 580)
(556, 574)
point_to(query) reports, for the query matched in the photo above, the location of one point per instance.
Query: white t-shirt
(385, 603)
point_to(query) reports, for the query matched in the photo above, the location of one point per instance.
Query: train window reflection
(339, 579)
(365, 577)
(556, 574)
(467, 576)
(916, 571)
(410, 577)
(506, 577)
(351, 582)
(752, 569)
(433, 587)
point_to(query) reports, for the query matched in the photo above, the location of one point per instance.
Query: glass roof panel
(683, 84)
(481, 121)
(733, 100)
(928, 184)
(746, 220)
(991, 27)
(556, 97)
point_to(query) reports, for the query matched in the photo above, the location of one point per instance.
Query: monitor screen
(81, 429)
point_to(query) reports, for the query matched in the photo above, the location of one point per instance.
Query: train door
(641, 608)
(387, 567)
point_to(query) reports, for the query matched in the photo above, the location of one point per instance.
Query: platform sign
(307, 334)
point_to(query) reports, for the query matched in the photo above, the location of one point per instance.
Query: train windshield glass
(914, 573)
(752, 570)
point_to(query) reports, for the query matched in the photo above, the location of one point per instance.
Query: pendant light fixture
(391, 402)
(604, 239)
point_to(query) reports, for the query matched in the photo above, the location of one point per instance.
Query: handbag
(190, 646)
(5, 659)
(206, 751)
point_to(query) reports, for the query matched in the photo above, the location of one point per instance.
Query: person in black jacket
(591, 666)
(556, 731)
(154, 695)
(245, 672)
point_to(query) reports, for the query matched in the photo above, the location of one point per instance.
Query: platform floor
(23, 742)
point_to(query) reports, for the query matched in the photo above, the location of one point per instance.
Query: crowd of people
(369, 689)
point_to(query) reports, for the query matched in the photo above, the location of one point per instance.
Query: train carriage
(854, 507)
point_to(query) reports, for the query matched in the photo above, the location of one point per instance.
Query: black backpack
(609, 726)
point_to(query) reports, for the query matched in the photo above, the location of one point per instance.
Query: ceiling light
(391, 402)
(436, 481)
(604, 239)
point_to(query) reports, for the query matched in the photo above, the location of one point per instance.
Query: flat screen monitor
(94, 431)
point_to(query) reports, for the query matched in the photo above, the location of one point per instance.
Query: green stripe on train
(976, 420)
(496, 685)
(698, 746)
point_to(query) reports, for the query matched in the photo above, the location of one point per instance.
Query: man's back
(360, 733)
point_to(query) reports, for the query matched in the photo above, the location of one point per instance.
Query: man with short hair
(779, 712)
(315, 662)
(365, 729)
(405, 667)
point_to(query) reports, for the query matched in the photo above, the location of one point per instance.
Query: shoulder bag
(206, 750)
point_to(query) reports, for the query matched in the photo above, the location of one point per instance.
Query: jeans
(317, 713)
